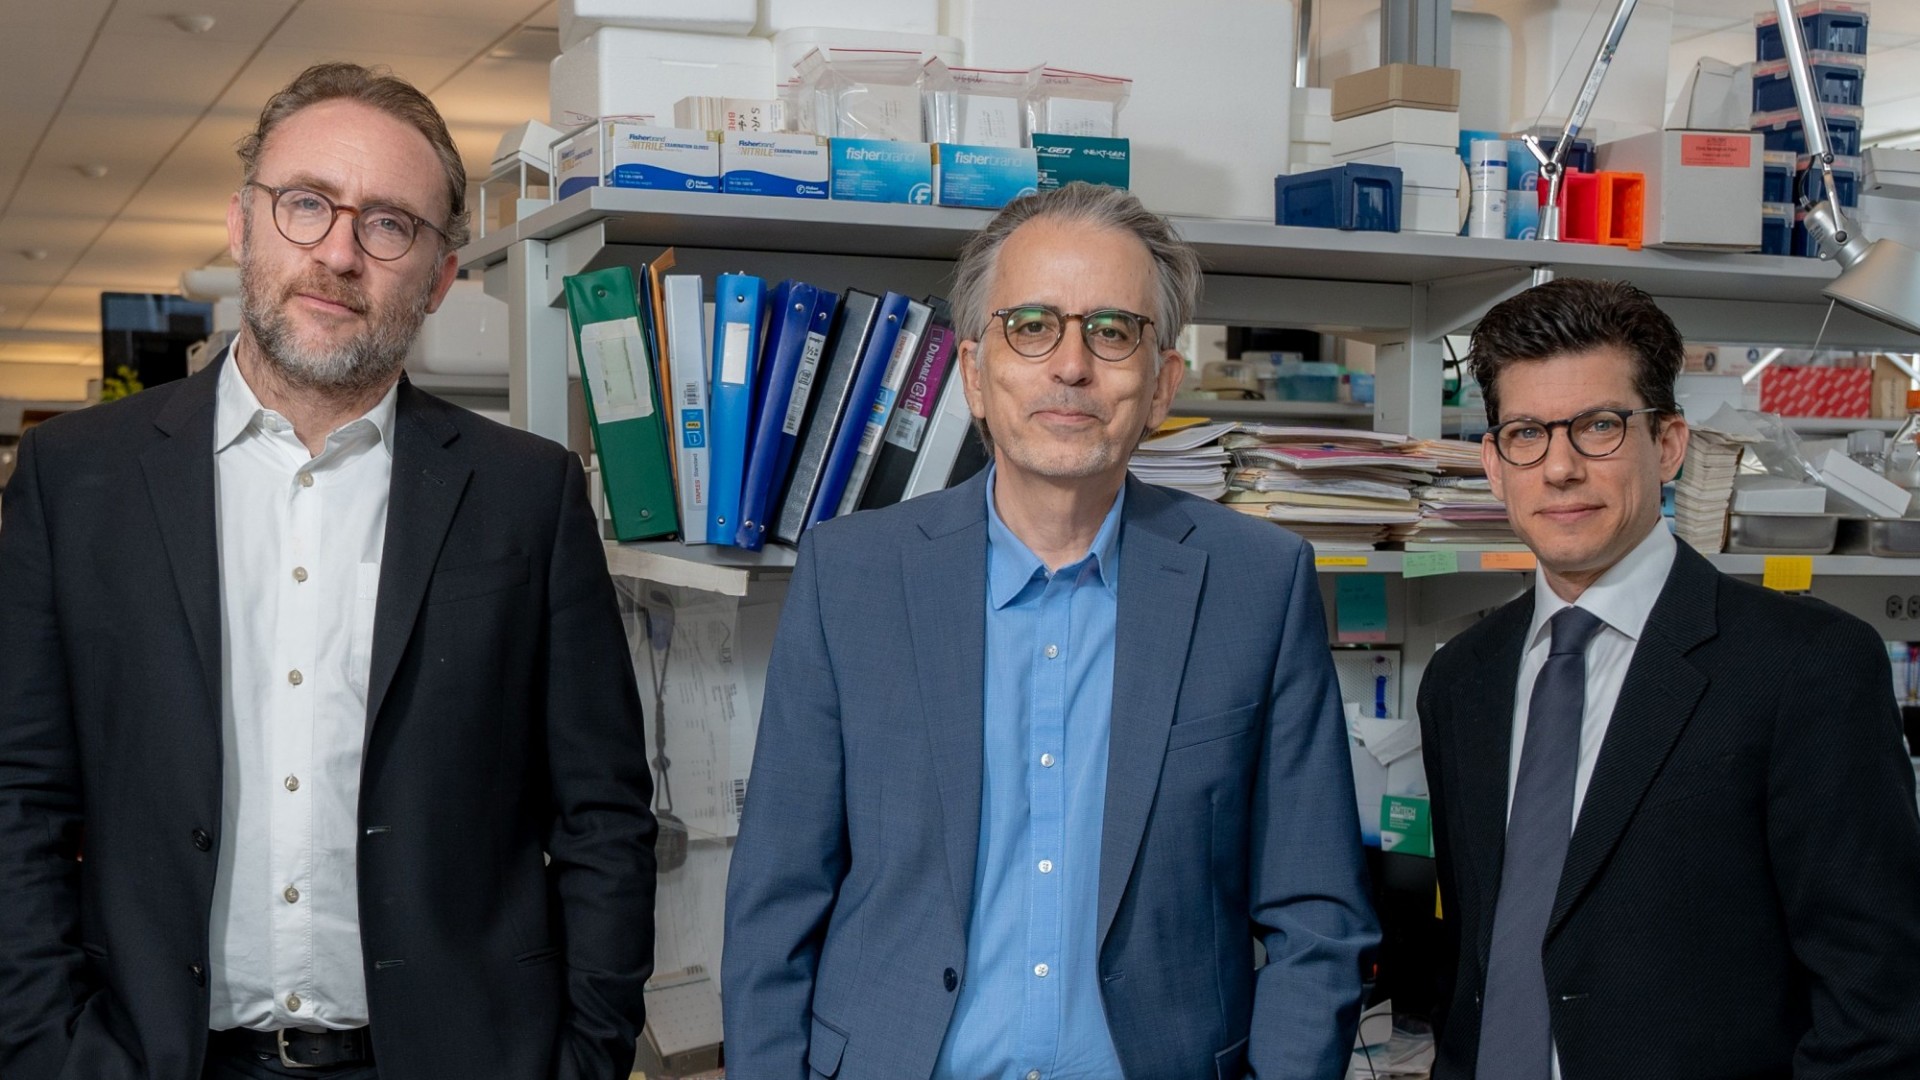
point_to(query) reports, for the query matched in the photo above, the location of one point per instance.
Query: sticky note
(1788, 573)
(1429, 563)
(1508, 560)
(1322, 562)
(1360, 608)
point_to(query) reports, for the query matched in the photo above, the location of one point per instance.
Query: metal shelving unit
(1402, 292)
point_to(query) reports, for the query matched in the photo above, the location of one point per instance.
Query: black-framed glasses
(1594, 433)
(306, 217)
(1035, 330)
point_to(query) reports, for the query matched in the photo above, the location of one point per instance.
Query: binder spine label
(693, 428)
(620, 379)
(803, 383)
(905, 347)
(906, 429)
(733, 355)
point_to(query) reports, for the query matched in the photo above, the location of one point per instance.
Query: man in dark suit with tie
(1674, 817)
(320, 749)
(1045, 754)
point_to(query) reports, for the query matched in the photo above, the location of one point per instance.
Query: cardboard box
(985, 177)
(784, 164)
(875, 170)
(576, 162)
(1702, 187)
(1395, 86)
(1063, 159)
(1377, 130)
(1816, 391)
(1420, 166)
(659, 158)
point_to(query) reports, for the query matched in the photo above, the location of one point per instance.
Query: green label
(1429, 563)
(1406, 825)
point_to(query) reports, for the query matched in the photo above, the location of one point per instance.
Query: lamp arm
(1551, 169)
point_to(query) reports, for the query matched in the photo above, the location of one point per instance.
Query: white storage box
(1701, 186)
(1210, 111)
(1374, 131)
(891, 16)
(467, 336)
(579, 19)
(792, 44)
(1420, 166)
(619, 72)
(1426, 210)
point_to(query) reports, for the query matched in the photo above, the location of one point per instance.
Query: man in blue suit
(1044, 755)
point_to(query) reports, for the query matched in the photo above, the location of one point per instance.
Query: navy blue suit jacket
(1229, 808)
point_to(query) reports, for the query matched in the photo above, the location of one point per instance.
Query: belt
(298, 1049)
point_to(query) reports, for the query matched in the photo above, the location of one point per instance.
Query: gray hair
(1175, 264)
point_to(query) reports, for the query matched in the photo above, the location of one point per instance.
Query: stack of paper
(1189, 457)
(1705, 488)
(1341, 489)
(1459, 508)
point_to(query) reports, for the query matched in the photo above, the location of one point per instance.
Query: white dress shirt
(1623, 597)
(300, 538)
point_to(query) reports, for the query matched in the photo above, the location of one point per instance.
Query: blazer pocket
(536, 957)
(1209, 728)
(477, 579)
(825, 1048)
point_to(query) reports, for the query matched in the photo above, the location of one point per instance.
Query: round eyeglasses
(1035, 330)
(1523, 441)
(306, 217)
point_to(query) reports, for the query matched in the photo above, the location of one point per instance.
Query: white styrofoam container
(1203, 144)
(620, 71)
(791, 44)
(1426, 127)
(1420, 166)
(891, 16)
(466, 336)
(1892, 173)
(1306, 157)
(1428, 211)
(1892, 219)
(1312, 128)
(579, 19)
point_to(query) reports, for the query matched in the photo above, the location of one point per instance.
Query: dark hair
(382, 90)
(1573, 315)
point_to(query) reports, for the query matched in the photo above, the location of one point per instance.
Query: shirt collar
(1011, 564)
(237, 408)
(1623, 596)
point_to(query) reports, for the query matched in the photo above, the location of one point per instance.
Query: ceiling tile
(324, 29)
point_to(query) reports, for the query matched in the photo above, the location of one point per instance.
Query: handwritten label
(1508, 560)
(1322, 562)
(1429, 563)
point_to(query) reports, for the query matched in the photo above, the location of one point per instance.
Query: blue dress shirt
(1030, 1006)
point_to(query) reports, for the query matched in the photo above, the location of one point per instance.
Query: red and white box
(1817, 391)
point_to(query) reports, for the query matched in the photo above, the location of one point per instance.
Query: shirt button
(1041, 970)
(1046, 866)
(292, 896)
(295, 677)
(300, 573)
(1046, 761)
(201, 840)
(1033, 1074)
(293, 1002)
(1053, 651)
(950, 979)
(306, 480)
(293, 783)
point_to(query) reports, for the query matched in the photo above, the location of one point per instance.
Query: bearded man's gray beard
(371, 358)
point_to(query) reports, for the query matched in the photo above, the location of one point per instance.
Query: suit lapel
(428, 480)
(1656, 701)
(180, 483)
(1159, 593)
(1483, 753)
(946, 590)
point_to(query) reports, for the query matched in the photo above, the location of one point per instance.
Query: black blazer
(1741, 895)
(503, 723)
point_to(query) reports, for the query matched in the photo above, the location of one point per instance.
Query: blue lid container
(1350, 196)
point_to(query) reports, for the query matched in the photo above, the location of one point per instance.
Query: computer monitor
(149, 334)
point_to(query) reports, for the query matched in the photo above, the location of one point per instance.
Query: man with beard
(1044, 755)
(320, 747)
